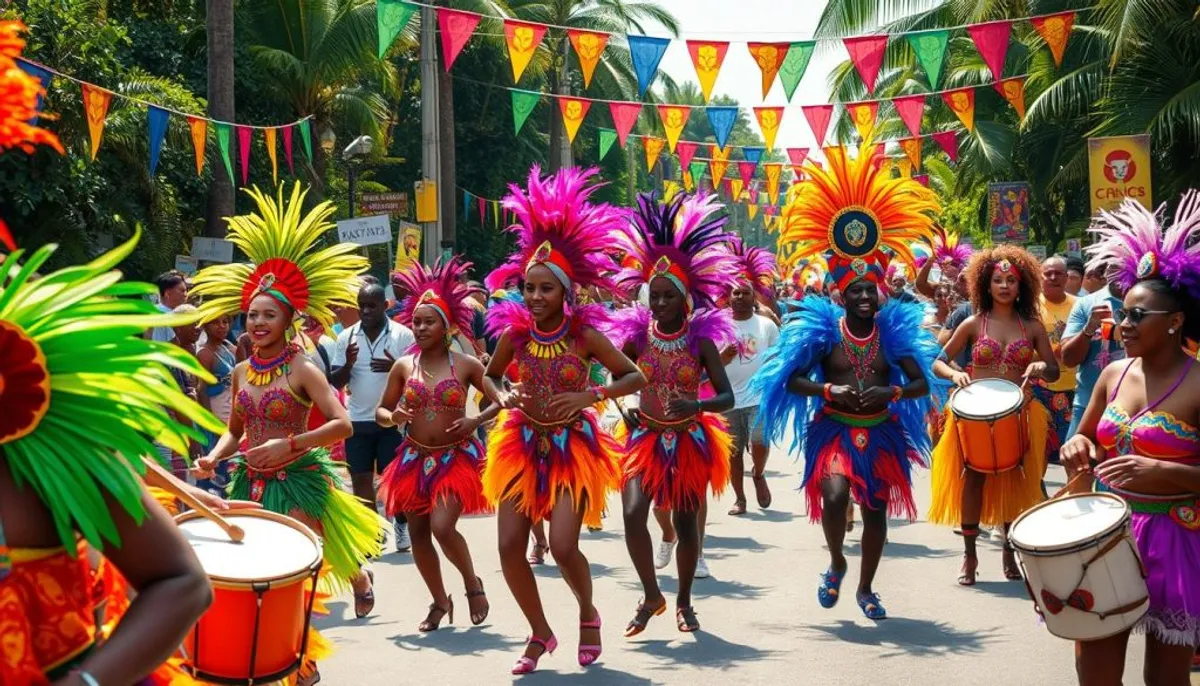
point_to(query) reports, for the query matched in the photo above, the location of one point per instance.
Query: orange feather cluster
(18, 96)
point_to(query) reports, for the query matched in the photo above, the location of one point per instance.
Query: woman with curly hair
(1007, 341)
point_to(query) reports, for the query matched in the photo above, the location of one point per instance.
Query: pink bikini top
(448, 395)
(677, 371)
(1149, 433)
(543, 379)
(988, 353)
(278, 413)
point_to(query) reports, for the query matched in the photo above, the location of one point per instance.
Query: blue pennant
(466, 204)
(646, 52)
(43, 78)
(721, 119)
(156, 122)
(753, 154)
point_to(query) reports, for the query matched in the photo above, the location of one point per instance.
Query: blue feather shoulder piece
(901, 335)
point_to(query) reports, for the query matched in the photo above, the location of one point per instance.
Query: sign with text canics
(1119, 168)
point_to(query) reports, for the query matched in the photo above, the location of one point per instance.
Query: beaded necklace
(860, 351)
(668, 342)
(547, 345)
(262, 372)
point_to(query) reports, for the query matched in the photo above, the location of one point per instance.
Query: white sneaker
(666, 551)
(403, 542)
(702, 569)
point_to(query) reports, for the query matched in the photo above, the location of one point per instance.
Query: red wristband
(897, 393)
(291, 442)
(826, 392)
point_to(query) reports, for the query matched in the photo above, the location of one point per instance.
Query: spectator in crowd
(1058, 396)
(1075, 270)
(1093, 279)
(1090, 342)
(172, 292)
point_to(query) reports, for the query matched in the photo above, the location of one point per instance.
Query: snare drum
(993, 431)
(257, 627)
(1081, 565)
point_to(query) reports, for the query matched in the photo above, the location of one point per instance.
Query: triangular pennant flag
(796, 157)
(482, 204)
(43, 77)
(866, 53)
(456, 28)
(862, 115)
(746, 171)
(573, 111)
(391, 16)
(588, 47)
(912, 148)
(244, 133)
(707, 57)
(624, 116)
(653, 146)
(607, 138)
(719, 163)
(522, 40)
(721, 119)
(905, 166)
(948, 142)
(646, 52)
(911, 108)
(156, 125)
(523, 103)
(962, 101)
(752, 210)
(991, 39)
(673, 119)
(198, 127)
(95, 108)
(818, 117)
(305, 127)
(794, 65)
(753, 153)
(727, 188)
(689, 184)
(696, 170)
(686, 150)
(922, 179)
(1054, 29)
(287, 149)
(496, 213)
(930, 48)
(769, 57)
(223, 133)
(769, 119)
(1013, 91)
(736, 186)
(466, 204)
(273, 154)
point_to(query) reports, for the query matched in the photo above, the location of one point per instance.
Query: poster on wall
(1119, 168)
(410, 246)
(1008, 212)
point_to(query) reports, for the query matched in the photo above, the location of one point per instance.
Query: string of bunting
(97, 100)
(787, 60)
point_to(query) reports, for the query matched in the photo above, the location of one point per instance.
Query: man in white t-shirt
(756, 334)
(172, 292)
(362, 358)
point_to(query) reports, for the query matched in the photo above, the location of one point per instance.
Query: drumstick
(169, 482)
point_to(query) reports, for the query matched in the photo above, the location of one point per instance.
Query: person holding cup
(1090, 342)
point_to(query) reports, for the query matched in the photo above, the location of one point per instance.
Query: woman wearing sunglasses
(1140, 430)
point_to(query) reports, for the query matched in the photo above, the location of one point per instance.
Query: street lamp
(354, 155)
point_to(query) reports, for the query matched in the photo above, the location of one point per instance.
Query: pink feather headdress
(558, 227)
(948, 250)
(1132, 241)
(756, 265)
(441, 287)
(684, 241)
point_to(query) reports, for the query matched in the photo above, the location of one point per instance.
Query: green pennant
(391, 16)
(523, 103)
(795, 64)
(223, 133)
(306, 138)
(607, 138)
(696, 169)
(930, 47)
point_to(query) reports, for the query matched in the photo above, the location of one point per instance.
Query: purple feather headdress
(684, 241)
(1133, 243)
(948, 250)
(558, 227)
(441, 287)
(756, 265)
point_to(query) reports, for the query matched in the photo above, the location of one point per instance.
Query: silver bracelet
(87, 679)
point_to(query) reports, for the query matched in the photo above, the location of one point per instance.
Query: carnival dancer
(1141, 426)
(1003, 337)
(853, 383)
(436, 474)
(547, 456)
(287, 467)
(676, 445)
(950, 255)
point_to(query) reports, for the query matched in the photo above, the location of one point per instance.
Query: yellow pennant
(769, 119)
(273, 154)
(670, 189)
(962, 102)
(773, 171)
(573, 111)
(707, 57)
(752, 210)
(523, 40)
(199, 130)
(863, 115)
(1013, 91)
(912, 148)
(736, 187)
(905, 166)
(654, 146)
(719, 163)
(588, 46)
(688, 183)
(673, 118)
(95, 108)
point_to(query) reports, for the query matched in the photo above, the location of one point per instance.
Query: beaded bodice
(670, 374)
(277, 413)
(543, 379)
(989, 353)
(447, 395)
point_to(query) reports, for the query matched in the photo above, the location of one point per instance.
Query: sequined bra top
(544, 378)
(1149, 433)
(671, 371)
(447, 395)
(278, 413)
(988, 353)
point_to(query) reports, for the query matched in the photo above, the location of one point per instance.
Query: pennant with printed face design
(769, 57)
(1055, 29)
(719, 163)
(95, 108)
(773, 170)
(1013, 91)
(769, 119)
(588, 48)
(707, 57)
(653, 146)
(863, 115)
(673, 119)
(573, 111)
(523, 40)
(456, 29)
(912, 148)
(962, 102)
(794, 65)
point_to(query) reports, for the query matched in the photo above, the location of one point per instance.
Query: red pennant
(746, 171)
(911, 108)
(456, 29)
(948, 142)
(287, 148)
(866, 52)
(624, 115)
(6, 236)
(482, 209)
(796, 157)
(686, 150)
(243, 134)
(991, 39)
(818, 117)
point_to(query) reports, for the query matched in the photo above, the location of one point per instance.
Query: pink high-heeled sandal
(588, 654)
(526, 665)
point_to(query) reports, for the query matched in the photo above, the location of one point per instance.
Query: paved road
(761, 621)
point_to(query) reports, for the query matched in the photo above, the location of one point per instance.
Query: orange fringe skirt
(677, 461)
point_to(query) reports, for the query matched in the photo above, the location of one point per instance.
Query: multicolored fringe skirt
(1005, 495)
(873, 452)
(1168, 538)
(1059, 404)
(534, 464)
(310, 489)
(677, 461)
(423, 476)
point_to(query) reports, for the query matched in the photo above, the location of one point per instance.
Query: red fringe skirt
(422, 477)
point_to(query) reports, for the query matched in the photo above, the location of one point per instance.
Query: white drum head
(275, 547)
(1066, 522)
(986, 398)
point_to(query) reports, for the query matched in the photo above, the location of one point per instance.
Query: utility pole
(219, 22)
(431, 243)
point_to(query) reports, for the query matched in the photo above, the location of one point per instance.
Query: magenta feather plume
(446, 280)
(557, 208)
(514, 319)
(756, 265)
(1135, 246)
(947, 249)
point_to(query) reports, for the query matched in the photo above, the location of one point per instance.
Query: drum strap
(1081, 599)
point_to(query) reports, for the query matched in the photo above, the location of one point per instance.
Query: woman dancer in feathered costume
(950, 255)
(548, 458)
(287, 467)
(853, 384)
(676, 445)
(436, 476)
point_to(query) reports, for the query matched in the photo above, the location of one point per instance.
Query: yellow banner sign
(410, 246)
(1119, 168)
